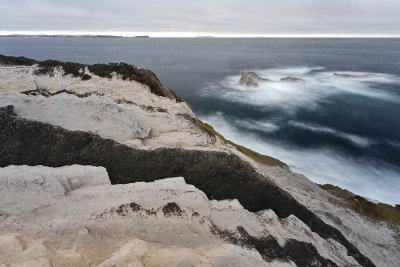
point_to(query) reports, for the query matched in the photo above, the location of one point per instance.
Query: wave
(263, 126)
(317, 86)
(393, 143)
(355, 139)
(364, 177)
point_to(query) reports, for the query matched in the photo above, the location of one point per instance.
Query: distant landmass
(73, 35)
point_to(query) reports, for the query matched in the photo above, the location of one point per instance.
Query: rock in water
(251, 79)
(346, 75)
(291, 79)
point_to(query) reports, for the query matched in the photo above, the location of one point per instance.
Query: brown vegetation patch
(380, 211)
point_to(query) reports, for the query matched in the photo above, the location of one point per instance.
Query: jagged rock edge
(127, 72)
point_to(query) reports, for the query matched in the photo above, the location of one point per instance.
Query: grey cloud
(224, 16)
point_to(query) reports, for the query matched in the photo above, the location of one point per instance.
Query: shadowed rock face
(219, 175)
(127, 71)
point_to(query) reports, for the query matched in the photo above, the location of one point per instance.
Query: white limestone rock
(94, 114)
(129, 252)
(42, 262)
(25, 189)
(125, 111)
(167, 211)
(10, 244)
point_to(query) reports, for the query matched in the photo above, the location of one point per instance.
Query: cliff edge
(88, 156)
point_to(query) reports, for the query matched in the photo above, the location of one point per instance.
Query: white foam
(278, 73)
(369, 179)
(393, 143)
(316, 87)
(355, 139)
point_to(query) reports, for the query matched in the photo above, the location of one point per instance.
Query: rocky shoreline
(139, 134)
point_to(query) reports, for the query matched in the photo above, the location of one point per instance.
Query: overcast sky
(214, 17)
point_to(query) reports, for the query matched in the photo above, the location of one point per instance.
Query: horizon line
(197, 34)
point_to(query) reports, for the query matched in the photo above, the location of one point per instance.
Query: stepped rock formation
(88, 156)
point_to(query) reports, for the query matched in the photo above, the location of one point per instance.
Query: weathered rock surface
(119, 117)
(167, 211)
(39, 252)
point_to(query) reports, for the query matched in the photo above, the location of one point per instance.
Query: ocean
(339, 129)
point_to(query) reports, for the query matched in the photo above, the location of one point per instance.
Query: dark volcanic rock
(302, 253)
(219, 175)
(127, 71)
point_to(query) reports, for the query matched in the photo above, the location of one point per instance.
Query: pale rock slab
(129, 252)
(26, 189)
(167, 211)
(42, 262)
(10, 244)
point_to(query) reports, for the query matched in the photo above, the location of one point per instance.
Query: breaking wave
(355, 139)
(286, 113)
(374, 180)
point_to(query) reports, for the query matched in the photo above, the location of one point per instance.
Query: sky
(192, 18)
